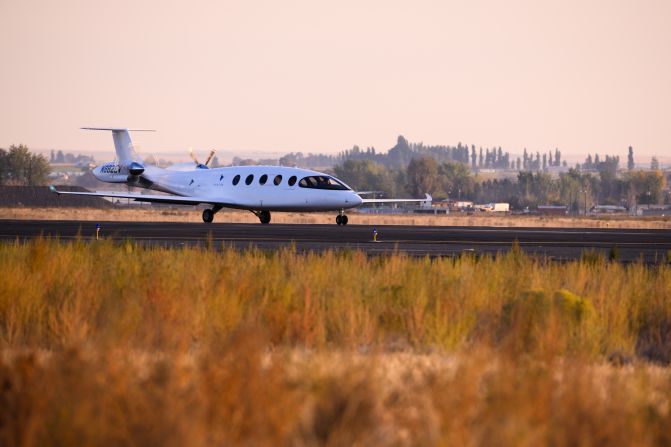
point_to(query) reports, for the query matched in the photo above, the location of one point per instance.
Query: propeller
(207, 161)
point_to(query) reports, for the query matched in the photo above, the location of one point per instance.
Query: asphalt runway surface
(649, 246)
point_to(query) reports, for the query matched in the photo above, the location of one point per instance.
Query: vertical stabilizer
(123, 145)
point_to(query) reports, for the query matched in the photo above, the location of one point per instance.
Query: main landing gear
(341, 219)
(208, 214)
(264, 216)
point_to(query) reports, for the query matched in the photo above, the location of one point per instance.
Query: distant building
(454, 205)
(500, 207)
(608, 209)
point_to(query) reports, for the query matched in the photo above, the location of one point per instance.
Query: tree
(456, 179)
(20, 167)
(60, 157)
(474, 158)
(570, 187)
(400, 155)
(422, 176)
(588, 162)
(630, 159)
(366, 175)
(4, 168)
(654, 164)
(647, 187)
(557, 157)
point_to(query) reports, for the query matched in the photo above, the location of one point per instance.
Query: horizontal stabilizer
(118, 129)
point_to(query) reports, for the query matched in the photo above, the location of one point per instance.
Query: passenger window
(249, 179)
(263, 179)
(236, 180)
(292, 180)
(278, 180)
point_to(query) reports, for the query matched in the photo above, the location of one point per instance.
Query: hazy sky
(318, 76)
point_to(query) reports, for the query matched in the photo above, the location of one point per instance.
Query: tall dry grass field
(118, 344)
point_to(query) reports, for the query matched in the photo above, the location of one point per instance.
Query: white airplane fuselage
(271, 188)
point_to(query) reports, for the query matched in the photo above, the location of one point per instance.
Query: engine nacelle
(135, 168)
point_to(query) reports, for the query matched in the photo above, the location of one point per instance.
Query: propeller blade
(209, 157)
(193, 156)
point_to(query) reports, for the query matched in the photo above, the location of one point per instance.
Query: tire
(208, 215)
(339, 219)
(264, 217)
(344, 219)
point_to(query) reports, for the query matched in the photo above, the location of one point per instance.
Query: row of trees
(19, 167)
(61, 157)
(454, 180)
(403, 152)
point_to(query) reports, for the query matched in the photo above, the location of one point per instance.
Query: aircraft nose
(356, 199)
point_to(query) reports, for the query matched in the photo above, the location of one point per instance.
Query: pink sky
(313, 76)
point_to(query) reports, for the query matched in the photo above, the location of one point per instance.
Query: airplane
(259, 189)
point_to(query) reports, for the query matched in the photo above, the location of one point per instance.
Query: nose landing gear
(341, 219)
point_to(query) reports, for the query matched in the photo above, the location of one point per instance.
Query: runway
(650, 246)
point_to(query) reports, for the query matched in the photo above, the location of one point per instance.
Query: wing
(153, 198)
(427, 199)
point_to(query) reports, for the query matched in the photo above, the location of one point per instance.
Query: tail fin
(122, 142)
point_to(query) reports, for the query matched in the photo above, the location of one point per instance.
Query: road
(651, 246)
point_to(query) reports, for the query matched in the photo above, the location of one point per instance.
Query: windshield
(321, 182)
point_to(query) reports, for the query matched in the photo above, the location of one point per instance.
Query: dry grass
(105, 344)
(186, 214)
(242, 394)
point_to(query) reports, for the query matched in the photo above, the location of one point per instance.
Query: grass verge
(107, 343)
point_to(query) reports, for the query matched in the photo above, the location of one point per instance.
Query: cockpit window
(321, 182)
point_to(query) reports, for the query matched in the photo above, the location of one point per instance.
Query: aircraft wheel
(208, 215)
(339, 219)
(343, 219)
(264, 217)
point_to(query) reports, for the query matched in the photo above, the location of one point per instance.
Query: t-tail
(123, 145)
(128, 166)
